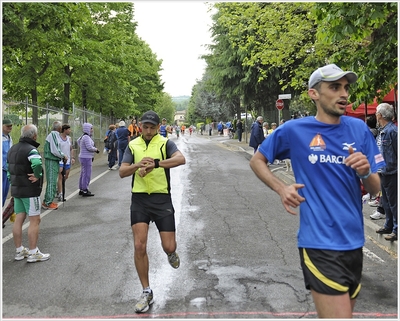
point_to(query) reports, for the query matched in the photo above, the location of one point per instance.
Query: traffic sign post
(285, 96)
(279, 105)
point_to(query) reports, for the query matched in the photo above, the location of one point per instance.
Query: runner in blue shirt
(330, 158)
(163, 128)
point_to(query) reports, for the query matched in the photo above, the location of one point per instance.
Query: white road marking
(372, 255)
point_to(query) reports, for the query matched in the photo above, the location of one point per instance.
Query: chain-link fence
(22, 113)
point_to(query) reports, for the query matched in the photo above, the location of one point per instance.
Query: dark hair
(371, 121)
(64, 127)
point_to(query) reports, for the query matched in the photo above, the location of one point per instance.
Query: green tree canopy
(86, 53)
(261, 50)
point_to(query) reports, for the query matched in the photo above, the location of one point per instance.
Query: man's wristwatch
(156, 163)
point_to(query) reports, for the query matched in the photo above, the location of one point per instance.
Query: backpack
(109, 140)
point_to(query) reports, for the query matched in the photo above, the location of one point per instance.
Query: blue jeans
(121, 154)
(389, 200)
(112, 157)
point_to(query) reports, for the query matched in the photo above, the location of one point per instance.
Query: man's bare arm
(288, 193)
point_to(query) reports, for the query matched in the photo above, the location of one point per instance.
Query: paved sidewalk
(279, 170)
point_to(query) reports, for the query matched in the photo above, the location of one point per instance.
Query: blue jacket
(387, 144)
(257, 134)
(123, 137)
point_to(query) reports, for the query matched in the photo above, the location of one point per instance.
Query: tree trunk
(67, 92)
(35, 115)
(236, 101)
(84, 100)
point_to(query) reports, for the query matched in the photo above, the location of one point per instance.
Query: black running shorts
(157, 208)
(332, 272)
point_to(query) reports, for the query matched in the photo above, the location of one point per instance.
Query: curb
(369, 226)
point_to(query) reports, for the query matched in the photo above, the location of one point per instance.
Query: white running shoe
(374, 202)
(366, 198)
(22, 254)
(144, 302)
(38, 257)
(377, 216)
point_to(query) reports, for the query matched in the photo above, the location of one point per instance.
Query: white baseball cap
(330, 73)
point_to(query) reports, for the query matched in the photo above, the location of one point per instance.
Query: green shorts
(332, 272)
(27, 205)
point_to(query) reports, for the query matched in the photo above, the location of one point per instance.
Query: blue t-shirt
(331, 217)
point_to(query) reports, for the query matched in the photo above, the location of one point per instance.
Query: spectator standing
(210, 129)
(86, 155)
(379, 212)
(273, 127)
(7, 143)
(387, 144)
(66, 147)
(26, 174)
(203, 128)
(269, 132)
(123, 138)
(220, 128)
(133, 129)
(105, 150)
(116, 128)
(265, 129)
(239, 128)
(329, 158)
(372, 125)
(52, 157)
(149, 159)
(112, 147)
(256, 133)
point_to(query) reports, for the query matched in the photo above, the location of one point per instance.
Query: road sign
(279, 104)
(285, 96)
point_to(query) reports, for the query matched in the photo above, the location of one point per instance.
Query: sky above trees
(177, 31)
